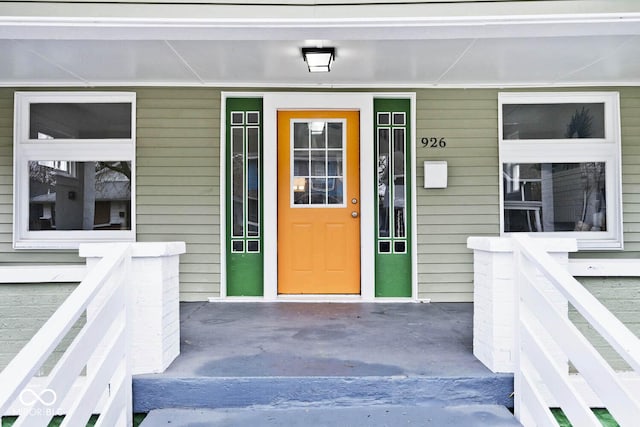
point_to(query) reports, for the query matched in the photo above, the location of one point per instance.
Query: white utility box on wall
(435, 174)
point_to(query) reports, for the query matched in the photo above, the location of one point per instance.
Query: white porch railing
(541, 329)
(102, 343)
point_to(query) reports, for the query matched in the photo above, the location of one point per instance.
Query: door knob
(354, 214)
(354, 200)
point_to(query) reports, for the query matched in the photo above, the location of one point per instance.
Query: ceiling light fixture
(319, 59)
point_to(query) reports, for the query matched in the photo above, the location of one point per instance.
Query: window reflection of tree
(383, 195)
(399, 189)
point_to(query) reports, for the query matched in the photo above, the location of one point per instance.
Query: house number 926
(434, 142)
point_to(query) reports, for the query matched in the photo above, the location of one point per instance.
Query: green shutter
(244, 213)
(393, 197)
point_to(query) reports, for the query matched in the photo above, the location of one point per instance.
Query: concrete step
(369, 416)
(158, 392)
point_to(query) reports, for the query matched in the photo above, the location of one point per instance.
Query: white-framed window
(560, 166)
(74, 168)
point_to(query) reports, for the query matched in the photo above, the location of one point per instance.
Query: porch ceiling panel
(621, 64)
(409, 51)
(104, 61)
(540, 60)
(459, 62)
(357, 62)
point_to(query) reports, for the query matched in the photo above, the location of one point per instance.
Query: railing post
(493, 295)
(154, 286)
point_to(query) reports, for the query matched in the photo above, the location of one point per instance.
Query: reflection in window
(66, 195)
(392, 192)
(554, 197)
(237, 180)
(318, 157)
(70, 120)
(561, 121)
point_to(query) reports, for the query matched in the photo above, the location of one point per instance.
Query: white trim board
(43, 273)
(604, 267)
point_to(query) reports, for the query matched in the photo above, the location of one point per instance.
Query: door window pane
(318, 134)
(79, 120)
(301, 163)
(318, 163)
(318, 175)
(301, 135)
(65, 195)
(300, 190)
(554, 197)
(553, 121)
(334, 135)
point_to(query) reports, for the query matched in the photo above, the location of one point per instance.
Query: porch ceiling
(554, 50)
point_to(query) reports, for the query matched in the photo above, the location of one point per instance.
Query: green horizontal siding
(24, 309)
(178, 187)
(621, 295)
(469, 206)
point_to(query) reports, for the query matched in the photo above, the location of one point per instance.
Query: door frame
(274, 101)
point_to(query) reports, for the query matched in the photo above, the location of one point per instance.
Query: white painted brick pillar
(493, 296)
(155, 323)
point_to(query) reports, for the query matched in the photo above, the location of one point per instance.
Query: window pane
(384, 119)
(399, 192)
(398, 119)
(318, 191)
(554, 197)
(80, 121)
(399, 247)
(253, 182)
(301, 163)
(237, 246)
(300, 190)
(237, 180)
(318, 163)
(334, 163)
(334, 191)
(300, 135)
(318, 134)
(253, 117)
(552, 121)
(253, 246)
(384, 165)
(384, 247)
(237, 118)
(65, 195)
(334, 136)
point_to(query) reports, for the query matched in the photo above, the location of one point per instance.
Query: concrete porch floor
(313, 339)
(287, 355)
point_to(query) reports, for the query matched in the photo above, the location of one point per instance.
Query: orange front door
(318, 202)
